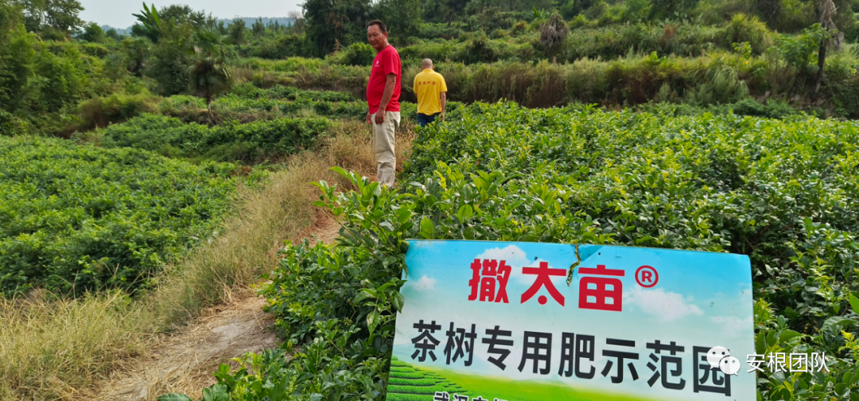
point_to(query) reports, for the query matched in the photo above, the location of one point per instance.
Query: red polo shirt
(386, 62)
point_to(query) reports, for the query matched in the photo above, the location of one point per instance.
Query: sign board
(497, 321)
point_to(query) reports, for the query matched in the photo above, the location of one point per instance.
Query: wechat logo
(720, 358)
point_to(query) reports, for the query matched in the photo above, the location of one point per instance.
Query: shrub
(706, 183)
(93, 33)
(743, 28)
(78, 218)
(61, 78)
(722, 85)
(228, 142)
(171, 61)
(278, 48)
(118, 107)
(361, 54)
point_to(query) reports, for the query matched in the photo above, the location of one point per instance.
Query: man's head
(426, 64)
(377, 35)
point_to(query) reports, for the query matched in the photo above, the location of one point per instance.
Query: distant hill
(227, 21)
(267, 21)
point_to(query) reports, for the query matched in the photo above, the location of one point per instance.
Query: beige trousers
(383, 146)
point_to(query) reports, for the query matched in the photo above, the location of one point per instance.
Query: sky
(700, 299)
(117, 13)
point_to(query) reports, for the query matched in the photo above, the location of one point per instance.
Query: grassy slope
(54, 349)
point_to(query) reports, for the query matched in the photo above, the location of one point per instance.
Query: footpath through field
(184, 362)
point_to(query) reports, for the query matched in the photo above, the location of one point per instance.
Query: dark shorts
(424, 119)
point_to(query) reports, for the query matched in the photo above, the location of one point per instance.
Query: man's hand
(380, 116)
(441, 118)
(368, 119)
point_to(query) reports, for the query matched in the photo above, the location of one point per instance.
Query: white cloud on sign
(733, 326)
(424, 284)
(665, 306)
(509, 253)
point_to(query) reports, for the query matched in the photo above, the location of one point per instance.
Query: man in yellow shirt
(431, 91)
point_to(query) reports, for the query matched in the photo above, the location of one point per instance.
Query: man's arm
(390, 84)
(443, 97)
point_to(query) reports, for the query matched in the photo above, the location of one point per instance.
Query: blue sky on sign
(117, 13)
(701, 299)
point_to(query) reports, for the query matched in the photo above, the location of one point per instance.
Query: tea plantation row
(282, 121)
(74, 218)
(786, 193)
(227, 142)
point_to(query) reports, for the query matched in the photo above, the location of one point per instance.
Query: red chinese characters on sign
(599, 288)
(607, 293)
(489, 281)
(543, 274)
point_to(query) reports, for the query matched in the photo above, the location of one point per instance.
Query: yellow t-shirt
(428, 87)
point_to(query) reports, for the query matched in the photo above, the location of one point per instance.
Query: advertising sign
(498, 321)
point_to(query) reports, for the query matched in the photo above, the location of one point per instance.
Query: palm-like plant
(210, 73)
(150, 22)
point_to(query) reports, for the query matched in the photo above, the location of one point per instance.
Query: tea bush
(784, 192)
(227, 142)
(75, 218)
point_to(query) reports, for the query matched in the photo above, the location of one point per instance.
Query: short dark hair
(382, 26)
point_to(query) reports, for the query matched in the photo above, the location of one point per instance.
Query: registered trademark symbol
(646, 276)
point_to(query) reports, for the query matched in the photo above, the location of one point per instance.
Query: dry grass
(51, 347)
(280, 211)
(58, 349)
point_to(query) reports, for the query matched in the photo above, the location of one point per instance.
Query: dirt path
(184, 362)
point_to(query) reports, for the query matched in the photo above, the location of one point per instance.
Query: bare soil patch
(183, 362)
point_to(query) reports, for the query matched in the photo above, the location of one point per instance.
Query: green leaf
(403, 215)
(341, 171)
(217, 392)
(787, 335)
(174, 397)
(427, 228)
(836, 322)
(373, 320)
(398, 301)
(464, 213)
(364, 294)
(854, 303)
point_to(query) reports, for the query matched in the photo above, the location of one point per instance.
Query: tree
(335, 21)
(171, 58)
(828, 11)
(670, 8)
(403, 17)
(299, 25)
(111, 33)
(237, 31)
(258, 28)
(770, 10)
(178, 14)
(134, 52)
(573, 8)
(210, 74)
(553, 32)
(16, 60)
(58, 15)
(93, 33)
(444, 10)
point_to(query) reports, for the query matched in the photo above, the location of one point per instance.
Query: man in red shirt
(383, 99)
